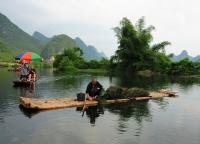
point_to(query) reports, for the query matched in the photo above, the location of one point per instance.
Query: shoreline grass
(7, 64)
(93, 71)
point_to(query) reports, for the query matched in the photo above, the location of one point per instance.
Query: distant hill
(184, 54)
(15, 38)
(89, 52)
(56, 45)
(40, 37)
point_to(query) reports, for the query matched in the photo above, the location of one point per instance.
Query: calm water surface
(163, 121)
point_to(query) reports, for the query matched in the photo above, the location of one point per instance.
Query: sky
(177, 21)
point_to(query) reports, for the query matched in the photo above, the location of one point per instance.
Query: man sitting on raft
(93, 89)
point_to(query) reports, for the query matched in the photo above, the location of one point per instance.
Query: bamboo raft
(58, 103)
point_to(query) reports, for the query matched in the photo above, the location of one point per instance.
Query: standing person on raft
(93, 90)
(24, 71)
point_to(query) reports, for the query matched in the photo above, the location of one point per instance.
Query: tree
(135, 51)
(184, 67)
(69, 59)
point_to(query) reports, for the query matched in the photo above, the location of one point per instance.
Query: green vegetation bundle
(135, 92)
(115, 92)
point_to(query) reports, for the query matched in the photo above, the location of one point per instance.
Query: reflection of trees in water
(153, 82)
(67, 82)
(139, 111)
(162, 103)
(186, 82)
(72, 81)
(156, 82)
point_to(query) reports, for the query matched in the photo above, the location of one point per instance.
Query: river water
(162, 121)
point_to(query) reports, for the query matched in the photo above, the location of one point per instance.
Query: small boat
(22, 83)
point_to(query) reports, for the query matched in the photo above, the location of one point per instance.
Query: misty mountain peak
(184, 53)
(41, 37)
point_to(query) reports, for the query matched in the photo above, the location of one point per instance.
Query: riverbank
(7, 64)
(93, 71)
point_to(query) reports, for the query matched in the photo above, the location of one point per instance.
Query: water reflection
(138, 111)
(162, 103)
(153, 82)
(185, 82)
(26, 91)
(27, 112)
(156, 82)
(92, 112)
(121, 122)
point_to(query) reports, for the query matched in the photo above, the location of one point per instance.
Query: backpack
(80, 96)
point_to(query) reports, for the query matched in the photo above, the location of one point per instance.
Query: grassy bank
(32, 64)
(7, 64)
(93, 71)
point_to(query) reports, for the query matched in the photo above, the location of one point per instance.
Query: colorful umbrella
(28, 56)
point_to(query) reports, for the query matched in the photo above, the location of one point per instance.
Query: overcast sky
(177, 21)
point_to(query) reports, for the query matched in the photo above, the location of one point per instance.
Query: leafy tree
(184, 67)
(135, 51)
(68, 59)
(71, 59)
(104, 63)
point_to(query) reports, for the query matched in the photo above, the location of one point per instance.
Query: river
(163, 121)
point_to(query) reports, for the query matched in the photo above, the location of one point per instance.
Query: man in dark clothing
(93, 89)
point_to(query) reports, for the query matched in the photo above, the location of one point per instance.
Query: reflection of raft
(22, 83)
(57, 103)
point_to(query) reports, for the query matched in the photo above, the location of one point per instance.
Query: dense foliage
(184, 67)
(135, 51)
(72, 59)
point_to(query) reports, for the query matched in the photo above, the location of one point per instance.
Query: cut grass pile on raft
(115, 92)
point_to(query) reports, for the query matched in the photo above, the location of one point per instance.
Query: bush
(72, 58)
